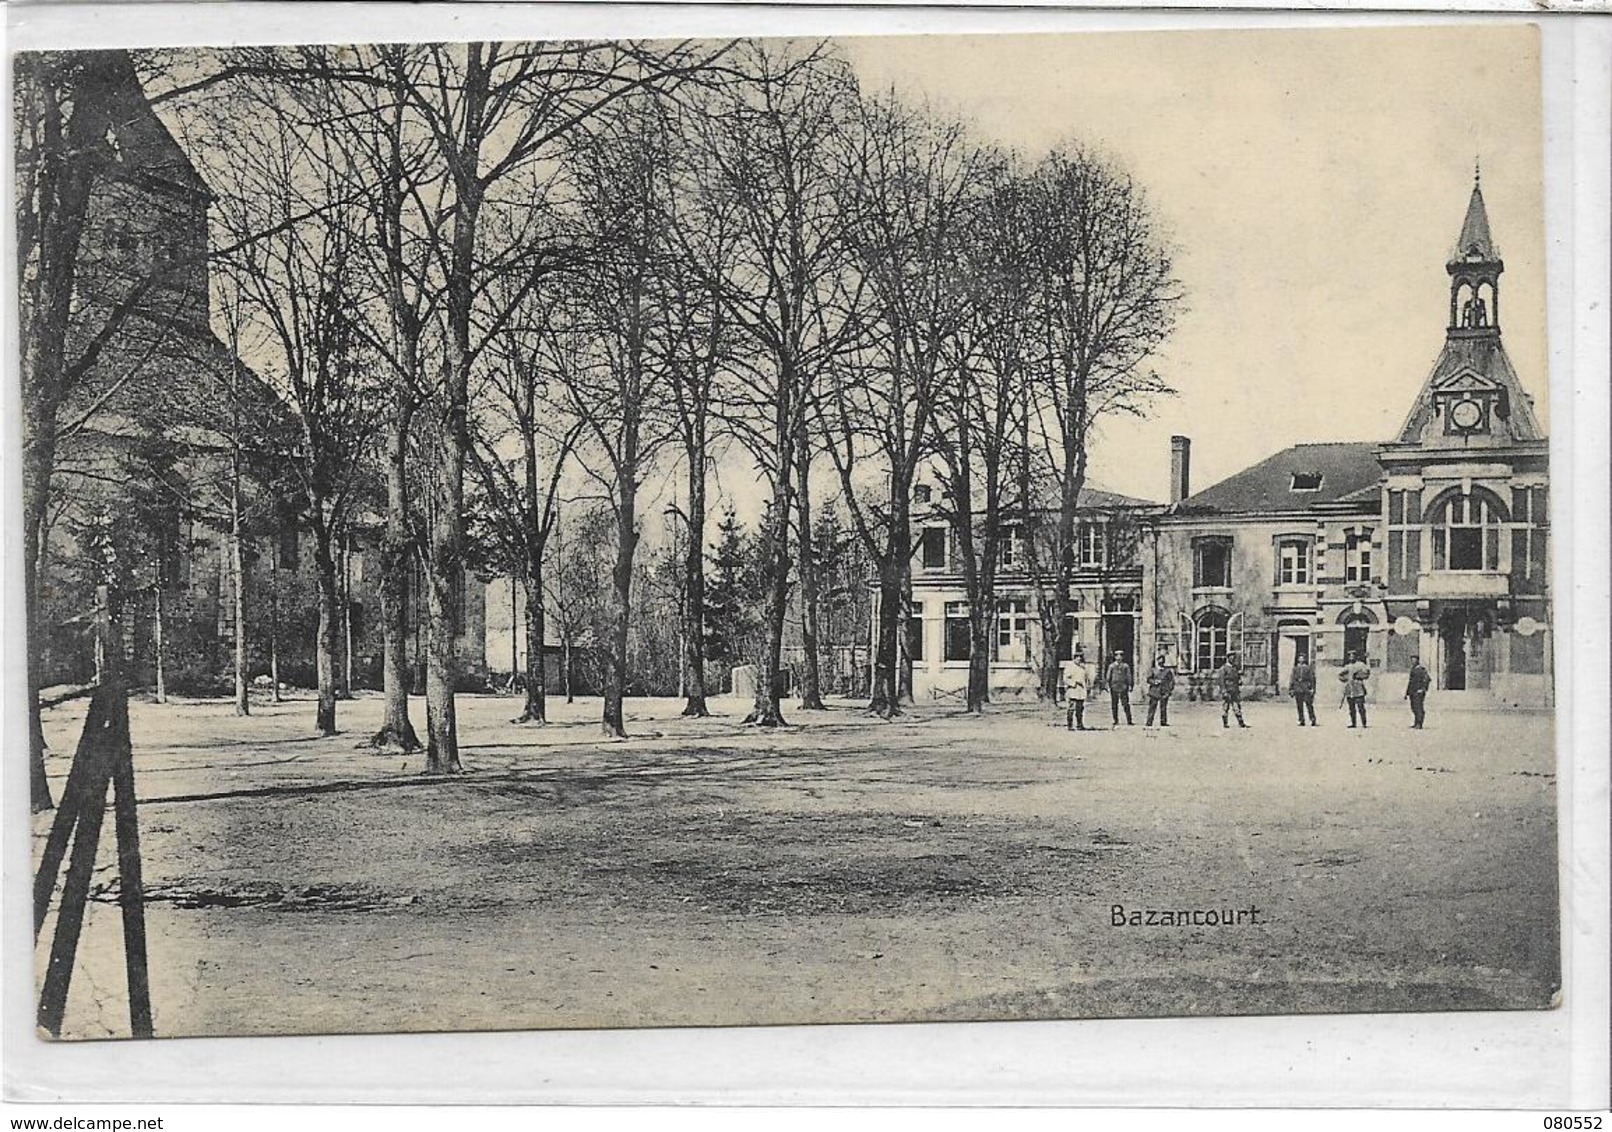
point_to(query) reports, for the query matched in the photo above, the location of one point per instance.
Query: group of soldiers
(1119, 680)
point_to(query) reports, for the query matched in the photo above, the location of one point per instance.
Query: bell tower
(1475, 268)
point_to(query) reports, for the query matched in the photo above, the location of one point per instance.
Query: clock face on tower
(1466, 415)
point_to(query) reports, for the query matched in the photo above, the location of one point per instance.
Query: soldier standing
(1301, 686)
(1231, 691)
(1353, 675)
(1118, 678)
(1076, 680)
(1160, 686)
(1416, 692)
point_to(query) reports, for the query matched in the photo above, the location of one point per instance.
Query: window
(1466, 532)
(1404, 538)
(1213, 643)
(1011, 549)
(1012, 629)
(915, 633)
(1306, 481)
(922, 493)
(1293, 562)
(1528, 510)
(1211, 562)
(1092, 546)
(932, 544)
(1357, 556)
(957, 640)
(1356, 634)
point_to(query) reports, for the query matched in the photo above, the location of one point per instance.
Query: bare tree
(519, 457)
(1108, 299)
(769, 140)
(299, 291)
(494, 114)
(905, 191)
(397, 184)
(616, 378)
(981, 402)
(701, 346)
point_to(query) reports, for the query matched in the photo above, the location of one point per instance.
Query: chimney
(1180, 468)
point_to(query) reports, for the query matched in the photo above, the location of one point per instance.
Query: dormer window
(922, 493)
(1306, 481)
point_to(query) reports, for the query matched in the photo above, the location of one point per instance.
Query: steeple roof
(1475, 244)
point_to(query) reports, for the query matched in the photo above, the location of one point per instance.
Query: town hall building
(1432, 545)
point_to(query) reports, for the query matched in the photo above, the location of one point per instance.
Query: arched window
(1213, 639)
(1356, 633)
(1466, 531)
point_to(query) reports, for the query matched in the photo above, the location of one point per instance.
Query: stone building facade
(1106, 582)
(1433, 545)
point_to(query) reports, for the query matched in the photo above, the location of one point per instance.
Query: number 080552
(1586, 1122)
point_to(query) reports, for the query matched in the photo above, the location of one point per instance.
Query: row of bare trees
(481, 278)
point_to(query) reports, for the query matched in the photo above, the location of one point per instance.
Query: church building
(1434, 544)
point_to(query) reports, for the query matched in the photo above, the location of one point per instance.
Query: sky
(1312, 184)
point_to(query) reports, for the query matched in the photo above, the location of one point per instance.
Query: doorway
(1464, 645)
(1292, 646)
(1119, 635)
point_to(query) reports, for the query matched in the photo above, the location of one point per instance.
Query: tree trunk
(769, 710)
(537, 708)
(442, 581)
(75, 149)
(274, 624)
(614, 723)
(904, 668)
(565, 664)
(243, 702)
(344, 623)
(325, 640)
(158, 642)
(811, 693)
(886, 698)
(694, 589)
(395, 550)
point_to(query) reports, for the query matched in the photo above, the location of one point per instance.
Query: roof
(1348, 472)
(1474, 244)
(1100, 499)
(1471, 362)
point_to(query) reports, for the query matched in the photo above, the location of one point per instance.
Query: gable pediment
(1466, 380)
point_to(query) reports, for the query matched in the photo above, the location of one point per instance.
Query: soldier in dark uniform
(1231, 691)
(1160, 686)
(1416, 692)
(1301, 686)
(1119, 679)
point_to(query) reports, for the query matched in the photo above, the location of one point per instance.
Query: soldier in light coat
(1077, 683)
(1353, 675)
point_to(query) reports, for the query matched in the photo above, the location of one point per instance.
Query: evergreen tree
(729, 594)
